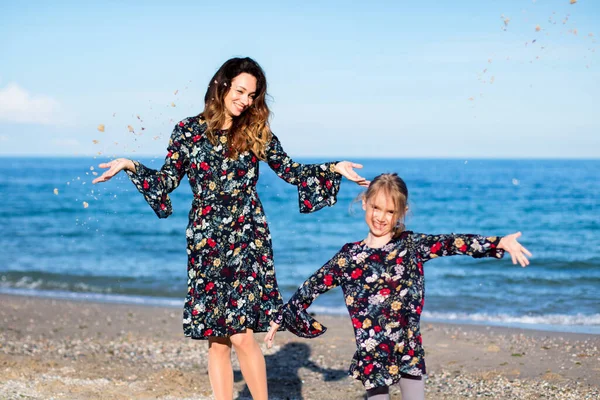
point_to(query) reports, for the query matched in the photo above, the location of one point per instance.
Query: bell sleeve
(293, 315)
(155, 185)
(318, 184)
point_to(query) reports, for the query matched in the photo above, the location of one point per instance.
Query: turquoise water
(116, 250)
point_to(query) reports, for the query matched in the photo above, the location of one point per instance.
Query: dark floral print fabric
(384, 291)
(231, 277)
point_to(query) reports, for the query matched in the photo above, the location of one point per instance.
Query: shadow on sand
(283, 372)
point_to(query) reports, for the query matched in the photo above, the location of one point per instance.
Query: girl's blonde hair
(394, 187)
(250, 131)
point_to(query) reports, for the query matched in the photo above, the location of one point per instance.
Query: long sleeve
(293, 315)
(318, 184)
(156, 185)
(476, 246)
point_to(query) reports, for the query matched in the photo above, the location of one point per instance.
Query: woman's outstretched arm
(156, 185)
(318, 184)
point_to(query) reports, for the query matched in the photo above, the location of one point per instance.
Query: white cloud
(18, 105)
(3, 138)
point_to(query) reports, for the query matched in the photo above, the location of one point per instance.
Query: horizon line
(462, 158)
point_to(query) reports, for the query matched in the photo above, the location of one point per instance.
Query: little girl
(382, 280)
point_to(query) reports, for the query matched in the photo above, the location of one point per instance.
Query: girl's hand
(518, 253)
(345, 168)
(114, 167)
(271, 334)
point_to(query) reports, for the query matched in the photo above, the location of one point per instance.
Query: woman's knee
(243, 341)
(219, 346)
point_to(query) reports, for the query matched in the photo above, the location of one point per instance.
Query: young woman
(232, 290)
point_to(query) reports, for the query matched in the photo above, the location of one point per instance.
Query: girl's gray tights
(411, 389)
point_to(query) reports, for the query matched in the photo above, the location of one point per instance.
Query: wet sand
(59, 349)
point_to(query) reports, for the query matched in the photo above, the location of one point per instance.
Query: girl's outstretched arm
(517, 251)
(476, 246)
(293, 315)
(432, 246)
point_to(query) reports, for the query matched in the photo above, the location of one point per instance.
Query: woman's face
(241, 94)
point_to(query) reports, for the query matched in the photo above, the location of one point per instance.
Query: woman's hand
(114, 167)
(518, 253)
(345, 168)
(271, 334)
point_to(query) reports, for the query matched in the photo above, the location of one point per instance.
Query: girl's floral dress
(384, 291)
(231, 278)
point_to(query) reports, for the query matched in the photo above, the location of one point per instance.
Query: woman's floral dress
(384, 291)
(231, 278)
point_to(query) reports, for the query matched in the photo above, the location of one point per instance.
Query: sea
(63, 237)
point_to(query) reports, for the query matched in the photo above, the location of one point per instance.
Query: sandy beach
(58, 349)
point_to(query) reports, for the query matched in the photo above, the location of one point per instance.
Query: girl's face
(380, 215)
(241, 94)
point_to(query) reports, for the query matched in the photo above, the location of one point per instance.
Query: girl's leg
(412, 389)
(220, 371)
(380, 393)
(252, 363)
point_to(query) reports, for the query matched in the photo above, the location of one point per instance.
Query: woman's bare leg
(252, 363)
(220, 371)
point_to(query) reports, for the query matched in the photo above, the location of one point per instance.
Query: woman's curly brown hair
(250, 131)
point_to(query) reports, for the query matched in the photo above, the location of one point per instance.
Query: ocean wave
(546, 319)
(579, 323)
(96, 297)
(549, 319)
(454, 267)
(34, 282)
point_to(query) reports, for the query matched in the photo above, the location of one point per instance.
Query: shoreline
(64, 349)
(176, 303)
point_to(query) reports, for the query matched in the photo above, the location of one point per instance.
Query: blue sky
(371, 79)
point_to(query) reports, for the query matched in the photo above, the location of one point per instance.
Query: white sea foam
(98, 297)
(31, 283)
(581, 323)
(548, 319)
